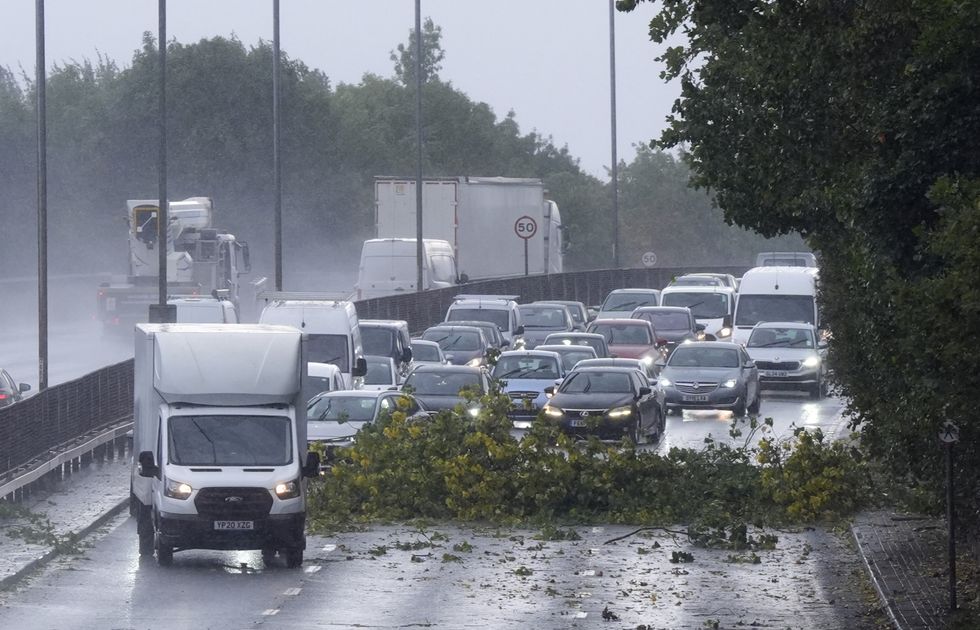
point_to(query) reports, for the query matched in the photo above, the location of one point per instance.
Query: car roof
(575, 335)
(709, 344)
(560, 347)
(353, 393)
(383, 323)
(425, 342)
(454, 327)
(620, 321)
(700, 288)
(635, 290)
(610, 362)
(315, 368)
(536, 352)
(447, 368)
(562, 302)
(607, 368)
(662, 309)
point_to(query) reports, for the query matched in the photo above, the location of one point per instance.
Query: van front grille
(233, 503)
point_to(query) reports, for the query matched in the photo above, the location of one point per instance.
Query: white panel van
(390, 266)
(776, 294)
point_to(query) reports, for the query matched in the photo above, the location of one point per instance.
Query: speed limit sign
(649, 259)
(525, 227)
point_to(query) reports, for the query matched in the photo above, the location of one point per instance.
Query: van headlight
(811, 362)
(288, 489)
(730, 383)
(724, 332)
(177, 489)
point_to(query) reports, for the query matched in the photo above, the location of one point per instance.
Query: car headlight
(287, 490)
(553, 412)
(477, 362)
(724, 332)
(619, 412)
(473, 411)
(730, 383)
(647, 360)
(665, 382)
(177, 489)
(811, 362)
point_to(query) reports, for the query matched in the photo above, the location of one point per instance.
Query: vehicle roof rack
(486, 297)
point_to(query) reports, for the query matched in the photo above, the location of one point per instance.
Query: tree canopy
(855, 125)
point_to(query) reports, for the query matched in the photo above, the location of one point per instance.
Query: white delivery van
(776, 294)
(390, 266)
(785, 259)
(204, 310)
(713, 307)
(331, 326)
(219, 437)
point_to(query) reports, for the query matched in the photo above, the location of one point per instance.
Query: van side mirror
(726, 321)
(407, 355)
(645, 391)
(520, 330)
(699, 327)
(463, 279)
(549, 390)
(312, 467)
(147, 467)
(246, 259)
(360, 367)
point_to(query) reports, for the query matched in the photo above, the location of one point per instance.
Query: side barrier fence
(48, 436)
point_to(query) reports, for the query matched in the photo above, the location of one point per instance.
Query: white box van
(390, 266)
(776, 294)
(331, 326)
(219, 433)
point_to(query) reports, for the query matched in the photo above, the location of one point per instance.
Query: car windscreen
(689, 356)
(544, 317)
(597, 383)
(753, 309)
(623, 334)
(328, 349)
(665, 320)
(441, 383)
(529, 366)
(453, 340)
(229, 440)
(781, 338)
(342, 409)
(379, 372)
(569, 359)
(497, 316)
(628, 301)
(378, 341)
(424, 352)
(702, 305)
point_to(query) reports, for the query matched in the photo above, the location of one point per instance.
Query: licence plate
(774, 373)
(578, 422)
(234, 524)
(698, 398)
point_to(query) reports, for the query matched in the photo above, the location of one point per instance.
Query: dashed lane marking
(329, 548)
(292, 592)
(312, 568)
(270, 611)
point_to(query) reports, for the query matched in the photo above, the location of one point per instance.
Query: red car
(629, 338)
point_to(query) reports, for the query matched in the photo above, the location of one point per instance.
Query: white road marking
(581, 615)
(329, 548)
(587, 572)
(598, 530)
(270, 611)
(292, 592)
(311, 568)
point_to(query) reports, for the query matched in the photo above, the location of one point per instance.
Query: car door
(643, 403)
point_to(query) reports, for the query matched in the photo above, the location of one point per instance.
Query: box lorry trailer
(219, 437)
(486, 219)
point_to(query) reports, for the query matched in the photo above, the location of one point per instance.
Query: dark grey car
(711, 375)
(439, 387)
(540, 320)
(462, 345)
(674, 324)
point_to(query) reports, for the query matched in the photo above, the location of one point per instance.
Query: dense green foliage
(452, 466)
(335, 138)
(855, 125)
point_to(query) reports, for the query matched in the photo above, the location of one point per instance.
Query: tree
(854, 124)
(432, 55)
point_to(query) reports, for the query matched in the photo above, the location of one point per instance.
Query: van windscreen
(229, 440)
(328, 349)
(378, 341)
(753, 309)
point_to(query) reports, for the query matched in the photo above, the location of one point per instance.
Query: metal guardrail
(64, 423)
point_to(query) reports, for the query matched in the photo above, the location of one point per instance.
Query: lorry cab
(219, 426)
(776, 294)
(500, 310)
(332, 328)
(390, 266)
(713, 307)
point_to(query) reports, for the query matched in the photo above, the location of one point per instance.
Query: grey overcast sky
(548, 60)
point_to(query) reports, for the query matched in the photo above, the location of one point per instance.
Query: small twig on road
(646, 529)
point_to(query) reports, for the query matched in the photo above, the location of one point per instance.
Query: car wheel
(739, 409)
(754, 407)
(816, 392)
(294, 558)
(268, 556)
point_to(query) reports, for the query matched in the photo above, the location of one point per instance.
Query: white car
(322, 377)
(789, 355)
(621, 302)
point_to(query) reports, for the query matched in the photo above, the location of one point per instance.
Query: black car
(10, 390)
(462, 345)
(674, 324)
(439, 387)
(608, 402)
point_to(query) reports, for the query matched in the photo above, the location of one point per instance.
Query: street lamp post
(42, 199)
(612, 113)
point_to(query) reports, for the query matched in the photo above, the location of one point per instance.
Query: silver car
(789, 355)
(711, 375)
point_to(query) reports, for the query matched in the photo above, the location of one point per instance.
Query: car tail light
(3, 396)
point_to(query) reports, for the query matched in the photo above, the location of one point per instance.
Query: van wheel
(294, 558)
(268, 555)
(165, 554)
(144, 528)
